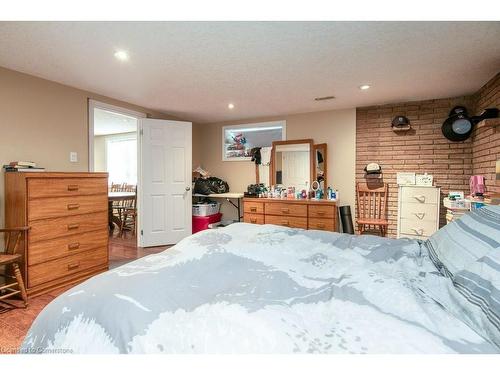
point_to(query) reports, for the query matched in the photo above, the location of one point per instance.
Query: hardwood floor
(124, 250)
(14, 323)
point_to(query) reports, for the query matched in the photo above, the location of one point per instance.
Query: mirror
(320, 165)
(292, 163)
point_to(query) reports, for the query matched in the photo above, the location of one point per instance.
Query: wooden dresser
(418, 211)
(68, 218)
(305, 214)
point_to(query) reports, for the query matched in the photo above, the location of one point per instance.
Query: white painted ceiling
(194, 69)
(106, 123)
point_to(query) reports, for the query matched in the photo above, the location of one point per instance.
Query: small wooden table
(116, 196)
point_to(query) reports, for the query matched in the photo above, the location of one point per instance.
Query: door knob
(188, 188)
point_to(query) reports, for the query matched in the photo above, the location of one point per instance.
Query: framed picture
(238, 140)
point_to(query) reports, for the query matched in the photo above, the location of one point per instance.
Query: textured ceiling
(194, 69)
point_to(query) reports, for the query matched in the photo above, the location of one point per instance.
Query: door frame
(93, 104)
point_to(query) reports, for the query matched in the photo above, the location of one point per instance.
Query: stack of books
(454, 214)
(22, 166)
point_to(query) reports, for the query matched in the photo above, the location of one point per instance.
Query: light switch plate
(73, 157)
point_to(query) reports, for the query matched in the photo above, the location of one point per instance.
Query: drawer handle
(253, 221)
(320, 212)
(285, 222)
(285, 210)
(320, 225)
(74, 246)
(420, 215)
(420, 198)
(73, 206)
(73, 226)
(253, 209)
(73, 266)
(72, 187)
(418, 232)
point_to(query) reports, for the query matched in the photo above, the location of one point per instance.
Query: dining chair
(117, 205)
(129, 212)
(116, 187)
(372, 204)
(10, 258)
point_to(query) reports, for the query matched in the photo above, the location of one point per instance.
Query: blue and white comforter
(262, 289)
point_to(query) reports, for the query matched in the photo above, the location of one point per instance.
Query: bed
(269, 289)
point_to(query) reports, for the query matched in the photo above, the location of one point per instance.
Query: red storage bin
(201, 222)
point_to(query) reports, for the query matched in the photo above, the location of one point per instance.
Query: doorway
(149, 164)
(113, 136)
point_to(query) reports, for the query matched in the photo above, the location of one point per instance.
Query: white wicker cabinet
(418, 211)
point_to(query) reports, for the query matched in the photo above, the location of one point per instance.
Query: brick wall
(421, 149)
(486, 140)
(424, 148)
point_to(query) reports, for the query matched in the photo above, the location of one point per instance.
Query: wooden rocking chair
(372, 203)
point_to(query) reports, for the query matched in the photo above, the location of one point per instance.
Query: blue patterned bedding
(263, 289)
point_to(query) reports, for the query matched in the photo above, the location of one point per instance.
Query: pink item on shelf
(477, 185)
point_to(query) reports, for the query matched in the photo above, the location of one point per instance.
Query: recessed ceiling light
(364, 87)
(230, 106)
(325, 98)
(121, 55)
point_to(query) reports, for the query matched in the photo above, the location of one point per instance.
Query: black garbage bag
(210, 185)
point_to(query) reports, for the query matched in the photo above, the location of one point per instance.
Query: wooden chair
(10, 257)
(116, 187)
(129, 211)
(117, 205)
(371, 204)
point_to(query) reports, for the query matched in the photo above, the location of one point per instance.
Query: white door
(165, 149)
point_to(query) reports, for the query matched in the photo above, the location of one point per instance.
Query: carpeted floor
(15, 323)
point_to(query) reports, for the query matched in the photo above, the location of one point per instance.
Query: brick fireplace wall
(486, 140)
(424, 148)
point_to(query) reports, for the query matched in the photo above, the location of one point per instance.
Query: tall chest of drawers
(418, 211)
(305, 214)
(68, 220)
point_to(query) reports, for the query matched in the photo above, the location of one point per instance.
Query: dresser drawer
(43, 251)
(41, 230)
(419, 195)
(322, 210)
(420, 228)
(288, 209)
(419, 211)
(253, 218)
(253, 207)
(46, 208)
(73, 264)
(60, 187)
(287, 221)
(321, 224)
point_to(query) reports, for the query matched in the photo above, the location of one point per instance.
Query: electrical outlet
(73, 157)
